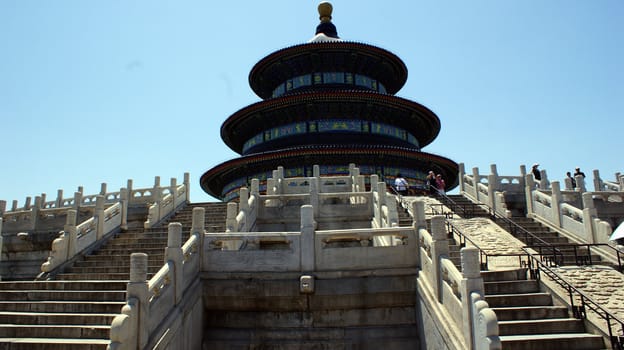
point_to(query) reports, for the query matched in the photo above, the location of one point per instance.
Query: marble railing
(154, 307)
(164, 200)
(582, 223)
(461, 293)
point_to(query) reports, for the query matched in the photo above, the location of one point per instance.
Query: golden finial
(325, 10)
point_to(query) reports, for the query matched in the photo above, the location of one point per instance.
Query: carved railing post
(230, 221)
(173, 253)
(123, 195)
(472, 282)
(99, 217)
(555, 203)
(71, 232)
(187, 186)
(307, 238)
(589, 213)
(198, 227)
(439, 249)
(59, 198)
(34, 214)
(314, 195)
(528, 193)
(138, 289)
(173, 186)
(462, 172)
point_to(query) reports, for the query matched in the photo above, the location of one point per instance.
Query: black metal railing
(579, 302)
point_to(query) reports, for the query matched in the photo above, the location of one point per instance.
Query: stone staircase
(566, 255)
(75, 310)
(527, 318)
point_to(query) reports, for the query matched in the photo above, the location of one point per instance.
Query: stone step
(546, 326)
(53, 344)
(521, 299)
(67, 295)
(107, 269)
(97, 276)
(570, 341)
(127, 251)
(63, 285)
(504, 275)
(530, 312)
(50, 318)
(63, 306)
(54, 331)
(509, 287)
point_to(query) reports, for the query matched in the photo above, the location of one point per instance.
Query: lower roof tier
(224, 180)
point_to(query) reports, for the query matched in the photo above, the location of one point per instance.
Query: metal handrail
(513, 228)
(537, 266)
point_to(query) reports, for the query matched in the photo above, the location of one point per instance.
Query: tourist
(401, 185)
(572, 180)
(578, 172)
(537, 176)
(431, 183)
(440, 184)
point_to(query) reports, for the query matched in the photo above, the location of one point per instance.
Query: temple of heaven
(328, 102)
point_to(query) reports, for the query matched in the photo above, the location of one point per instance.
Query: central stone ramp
(364, 310)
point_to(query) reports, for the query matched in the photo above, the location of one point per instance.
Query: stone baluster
(173, 185)
(462, 173)
(555, 203)
(138, 289)
(187, 186)
(123, 195)
(157, 199)
(439, 249)
(243, 206)
(14, 205)
(580, 183)
(59, 198)
(528, 193)
(173, 253)
(419, 222)
(198, 227)
(99, 216)
(2, 208)
(589, 213)
(476, 182)
(598, 185)
(103, 189)
(34, 214)
(230, 221)
(255, 188)
(71, 232)
(543, 184)
(77, 200)
(27, 203)
(308, 227)
(42, 202)
(523, 174)
(472, 282)
(493, 186)
(314, 195)
(130, 190)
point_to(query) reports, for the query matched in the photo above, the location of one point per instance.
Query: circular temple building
(328, 102)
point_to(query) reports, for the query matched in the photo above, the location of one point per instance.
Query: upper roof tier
(326, 53)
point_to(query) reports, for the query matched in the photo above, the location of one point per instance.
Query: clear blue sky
(104, 91)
